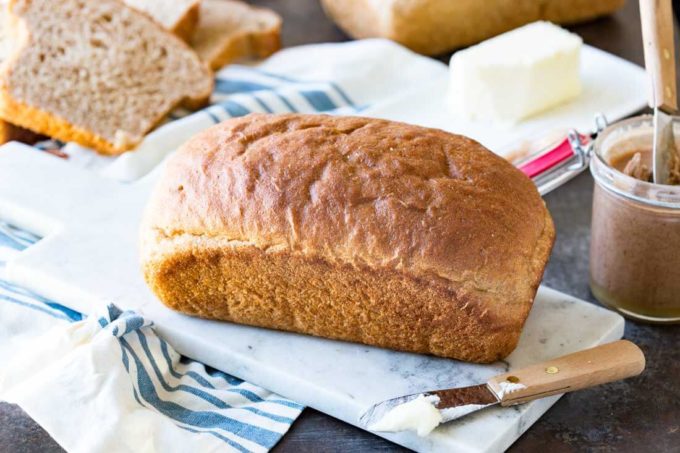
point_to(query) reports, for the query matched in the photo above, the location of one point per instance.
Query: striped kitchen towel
(109, 383)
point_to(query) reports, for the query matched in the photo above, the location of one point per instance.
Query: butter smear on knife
(422, 416)
(419, 415)
(509, 387)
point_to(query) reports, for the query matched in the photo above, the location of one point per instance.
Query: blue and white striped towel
(108, 382)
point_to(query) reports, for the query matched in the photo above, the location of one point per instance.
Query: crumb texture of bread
(98, 73)
(4, 35)
(349, 228)
(178, 16)
(230, 30)
(434, 27)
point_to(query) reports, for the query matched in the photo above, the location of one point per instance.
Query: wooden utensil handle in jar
(657, 35)
(606, 363)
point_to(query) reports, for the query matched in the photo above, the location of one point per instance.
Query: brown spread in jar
(637, 163)
(634, 256)
(635, 237)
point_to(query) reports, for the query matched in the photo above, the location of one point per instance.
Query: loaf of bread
(98, 73)
(436, 26)
(349, 228)
(229, 30)
(178, 16)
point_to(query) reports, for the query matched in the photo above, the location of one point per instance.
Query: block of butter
(517, 74)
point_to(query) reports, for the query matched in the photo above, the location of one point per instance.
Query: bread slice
(95, 72)
(350, 228)
(178, 16)
(229, 30)
(8, 131)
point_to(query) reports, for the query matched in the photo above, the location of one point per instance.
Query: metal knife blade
(453, 403)
(664, 146)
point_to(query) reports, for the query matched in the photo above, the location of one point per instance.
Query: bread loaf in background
(437, 26)
(349, 228)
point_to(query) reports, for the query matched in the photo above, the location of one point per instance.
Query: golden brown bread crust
(26, 116)
(573, 11)
(248, 45)
(231, 30)
(187, 25)
(436, 26)
(9, 132)
(351, 228)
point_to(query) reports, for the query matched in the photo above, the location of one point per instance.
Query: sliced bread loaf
(178, 16)
(229, 30)
(95, 72)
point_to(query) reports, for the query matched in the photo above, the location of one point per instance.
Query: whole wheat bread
(178, 16)
(229, 30)
(95, 72)
(388, 234)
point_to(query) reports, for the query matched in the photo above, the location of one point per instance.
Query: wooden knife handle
(606, 363)
(657, 35)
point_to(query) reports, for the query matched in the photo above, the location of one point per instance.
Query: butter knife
(657, 33)
(588, 368)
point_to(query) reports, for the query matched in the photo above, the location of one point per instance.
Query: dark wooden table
(637, 415)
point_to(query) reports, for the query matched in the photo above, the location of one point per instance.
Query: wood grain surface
(580, 370)
(657, 36)
(640, 414)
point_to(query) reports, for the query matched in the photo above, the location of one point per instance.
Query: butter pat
(517, 74)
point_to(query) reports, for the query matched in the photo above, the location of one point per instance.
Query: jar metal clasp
(582, 147)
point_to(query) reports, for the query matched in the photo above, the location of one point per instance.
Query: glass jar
(635, 243)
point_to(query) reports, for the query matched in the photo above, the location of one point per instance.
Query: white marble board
(88, 257)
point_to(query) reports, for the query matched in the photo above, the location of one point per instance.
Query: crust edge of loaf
(26, 116)
(46, 123)
(11, 132)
